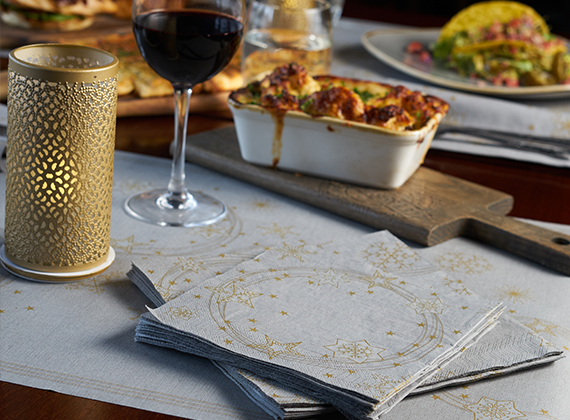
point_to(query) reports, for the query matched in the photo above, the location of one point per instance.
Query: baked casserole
(346, 129)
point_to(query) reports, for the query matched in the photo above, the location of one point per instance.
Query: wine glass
(186, 42)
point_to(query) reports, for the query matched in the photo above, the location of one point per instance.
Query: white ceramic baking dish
(330, 148)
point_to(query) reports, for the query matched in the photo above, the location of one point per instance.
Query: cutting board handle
(546, 247)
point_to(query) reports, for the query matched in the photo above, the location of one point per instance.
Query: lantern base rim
(52, 276)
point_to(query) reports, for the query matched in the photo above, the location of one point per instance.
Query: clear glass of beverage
(336, 10)
(287, 31)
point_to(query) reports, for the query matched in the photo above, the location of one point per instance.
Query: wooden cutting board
(429, 209)
(201, 103)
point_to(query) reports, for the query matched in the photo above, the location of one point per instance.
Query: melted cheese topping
(291, 88)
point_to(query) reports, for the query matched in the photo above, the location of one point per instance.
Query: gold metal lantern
(62, 103)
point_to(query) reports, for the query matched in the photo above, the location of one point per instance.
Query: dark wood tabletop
(540, 193)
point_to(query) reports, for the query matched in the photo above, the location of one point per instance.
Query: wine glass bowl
(186, 42)
(188, 46)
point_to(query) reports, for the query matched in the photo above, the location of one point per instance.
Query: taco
(504, 42)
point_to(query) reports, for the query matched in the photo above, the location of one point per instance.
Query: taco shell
(485, 13)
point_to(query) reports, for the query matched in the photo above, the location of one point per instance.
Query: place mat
(482, 147)
(533, 301)
(77, 339)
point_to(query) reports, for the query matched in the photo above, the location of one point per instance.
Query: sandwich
(61, 15)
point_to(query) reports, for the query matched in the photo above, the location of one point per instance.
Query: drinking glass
(186, 42)
(285, 31)
(336, 10)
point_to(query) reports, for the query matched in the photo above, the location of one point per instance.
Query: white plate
(389, 46)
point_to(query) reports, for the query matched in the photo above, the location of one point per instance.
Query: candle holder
(62, 107)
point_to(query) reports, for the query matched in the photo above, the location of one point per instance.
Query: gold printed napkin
(166, 278)
(339, 330)
(508, 347)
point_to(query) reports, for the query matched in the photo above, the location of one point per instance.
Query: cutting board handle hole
(561, 241)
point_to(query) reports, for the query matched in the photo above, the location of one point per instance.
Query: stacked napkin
(162, 279)
(337, 329)
(509, 346)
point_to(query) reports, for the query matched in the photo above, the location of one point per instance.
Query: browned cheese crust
(291, 88)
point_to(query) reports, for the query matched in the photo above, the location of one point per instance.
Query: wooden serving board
(430, 208)
(127, 106)
(132, 106)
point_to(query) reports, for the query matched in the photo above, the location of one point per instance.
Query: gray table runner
(77, 338)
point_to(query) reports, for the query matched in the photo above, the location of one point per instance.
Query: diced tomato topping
(415, 47)
(515, 23)
(425, 57)
(497, 81)
(511, 82)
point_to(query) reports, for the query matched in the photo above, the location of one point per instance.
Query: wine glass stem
(178, 195)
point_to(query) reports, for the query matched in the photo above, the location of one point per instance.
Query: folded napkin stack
(301, 329)
(358, 327)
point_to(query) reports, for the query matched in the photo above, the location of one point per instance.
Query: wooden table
(540, 192)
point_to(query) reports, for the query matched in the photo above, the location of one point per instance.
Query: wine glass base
(153, 207)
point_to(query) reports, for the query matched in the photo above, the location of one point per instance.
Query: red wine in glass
(186, 42)
(189, 46)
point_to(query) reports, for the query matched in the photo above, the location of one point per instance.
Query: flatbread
(138, 79)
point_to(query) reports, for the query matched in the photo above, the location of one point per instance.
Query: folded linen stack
(356, 326)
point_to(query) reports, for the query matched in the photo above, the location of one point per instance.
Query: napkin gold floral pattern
(508, 347)
(340, 330)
